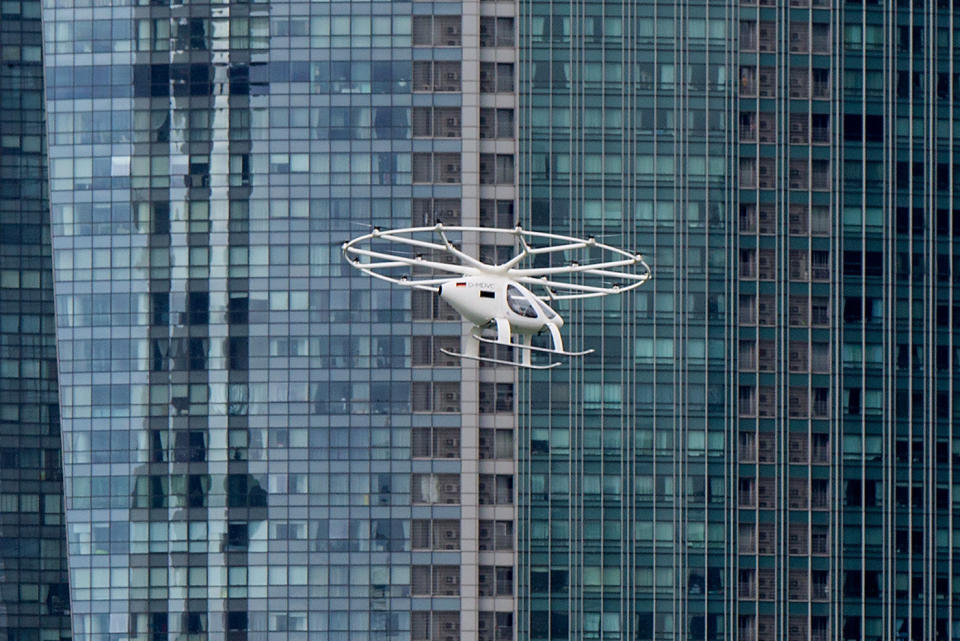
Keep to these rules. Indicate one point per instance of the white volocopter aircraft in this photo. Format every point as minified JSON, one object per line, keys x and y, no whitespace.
{"x":497,"y":296}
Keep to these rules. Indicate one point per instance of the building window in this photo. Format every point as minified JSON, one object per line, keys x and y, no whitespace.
{"x":435,"y":488}
{"x":428,"y":211}
{"x":436,"y":397}
{"x":434,"y":626}
{"x":495,"y":535}
{"x":496,"y":397}
{"x":436,"y":76}
{"x":496,"y":77}
{"x":437,"y":442}
{"x":496,"y":32}
{"x":436,"y":122}
{"x":426,"y":351}
{"x":496,"y":444}
{"x":441,"y":534}
{"x":436,"y":31}
{"x":496,"y":489}
{"x":497,"y":213}
{"x":496,"y":169}
{"x":496,"y":123}
{"x":435,"y":580}
{"x":436,"y":168}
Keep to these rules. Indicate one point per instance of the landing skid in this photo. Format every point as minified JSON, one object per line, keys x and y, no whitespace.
{"x":545,"y":350}
{"x":498,"y":361}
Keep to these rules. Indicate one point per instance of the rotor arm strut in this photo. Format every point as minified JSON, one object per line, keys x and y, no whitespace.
{"x":596,"y":268}
{"x":585,"y":289}
{"x":399,"y":261}
{"x":456,"y":251}
{"x":525,"y":250}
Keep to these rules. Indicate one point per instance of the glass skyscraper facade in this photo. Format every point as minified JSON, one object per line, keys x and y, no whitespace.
{"x":256,"y":444}
{"x":628,"y":485}
{"x":765,"y":448}
{"x":260,"y":442}
{"x":34,"y":599}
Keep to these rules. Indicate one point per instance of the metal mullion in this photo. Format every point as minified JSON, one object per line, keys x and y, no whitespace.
{"x":930,"y":322}
{"x":951,"y":342}
{"x":890,"y":307}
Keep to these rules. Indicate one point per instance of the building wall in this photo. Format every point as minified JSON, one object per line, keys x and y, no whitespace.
{"x":260,"y":441}
{"x":803,"y":315}
{"x":627,"y":478}
{"x":787,"y":499}
{"x":255,"y":394}
{"x":34,"y":600}
{"x":896,"y":404}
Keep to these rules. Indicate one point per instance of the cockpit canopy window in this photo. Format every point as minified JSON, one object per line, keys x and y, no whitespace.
{"x":520,"y":303}
{"x":545,"y":309}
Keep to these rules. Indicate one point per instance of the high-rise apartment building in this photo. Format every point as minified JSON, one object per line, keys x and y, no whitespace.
{"x":34,"y":600}
{"x":261,"y":443}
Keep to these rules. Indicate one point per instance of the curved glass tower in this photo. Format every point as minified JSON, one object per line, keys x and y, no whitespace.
{"x":238,"y":407}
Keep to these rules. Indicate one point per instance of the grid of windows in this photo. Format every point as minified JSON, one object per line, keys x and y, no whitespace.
{"x":831,"y":418}
{"x":896,"y":234}
{"x":34,"y":597}
{"x":235,"y":398}
{"x":623,"y":474}
{"x":786,"y":254}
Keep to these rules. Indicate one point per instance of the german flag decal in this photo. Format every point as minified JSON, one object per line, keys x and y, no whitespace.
{"x":462,"y":284}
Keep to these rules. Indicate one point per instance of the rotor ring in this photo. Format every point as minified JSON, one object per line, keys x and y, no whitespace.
{"x":379,"y":264}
